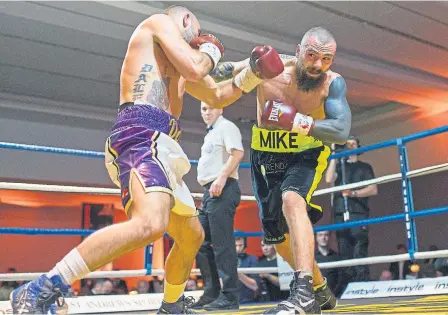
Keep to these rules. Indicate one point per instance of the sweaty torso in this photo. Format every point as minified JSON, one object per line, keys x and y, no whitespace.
{"x":148,"y":77}
{"x":284,"y":89}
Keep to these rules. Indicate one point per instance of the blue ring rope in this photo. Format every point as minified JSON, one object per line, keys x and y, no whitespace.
{"x":85,"y":153}
{"x":389,"y":143}
{"x":397,"y":142}
{"x":331,"y":227}
{"x":39,"y":148}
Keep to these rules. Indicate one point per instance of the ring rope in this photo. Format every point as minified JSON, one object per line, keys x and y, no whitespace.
{"x":114,"y":191}
{"x":160,"y":272}
{"x":344,"y":263}
{"x":387,"y":218}
{"x":39,"y":148}
{"x":94,"y":154}
{"x":384,"y":179}
{"x":331,"y":227}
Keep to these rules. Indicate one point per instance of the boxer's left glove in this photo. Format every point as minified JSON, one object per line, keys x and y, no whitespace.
{"x":264,"y":63}
{"x":209,"y":45}
{"x":281,"y":116}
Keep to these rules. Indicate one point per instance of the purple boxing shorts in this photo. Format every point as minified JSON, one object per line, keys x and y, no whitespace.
{"x":143,"y":142}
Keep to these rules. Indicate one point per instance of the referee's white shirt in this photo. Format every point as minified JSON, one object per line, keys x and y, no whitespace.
{"x":218,"y":144}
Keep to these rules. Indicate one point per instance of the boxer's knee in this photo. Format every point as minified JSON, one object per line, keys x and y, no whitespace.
{"x":293,"y":204}
{"x":195,"y":238}
{"x":187,"y":233}
{"x":146,"y":228}
{"x":150,"y":215}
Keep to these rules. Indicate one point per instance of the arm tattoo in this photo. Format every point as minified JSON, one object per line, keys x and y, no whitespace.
{"x":337,"y":124}
{"x":223,"y":71}
{"x":158,"y":94}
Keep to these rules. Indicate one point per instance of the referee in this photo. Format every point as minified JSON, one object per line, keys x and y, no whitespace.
{"x":221,"y":155}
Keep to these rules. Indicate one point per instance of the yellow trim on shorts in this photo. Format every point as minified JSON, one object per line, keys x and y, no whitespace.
{"x":131,"y":199}
{"x":114,"y":155}
{"x":128,"y":205}
{"x":154,"y":152}
{"x":146,"y":189}
{"x":281,"y":141}
{"x":317,"y":207}
{"x":322,"y":162}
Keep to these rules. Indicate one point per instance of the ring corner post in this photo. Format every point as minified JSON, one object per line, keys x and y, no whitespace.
{"x":408,"y":202}
{"x":148,"y":258}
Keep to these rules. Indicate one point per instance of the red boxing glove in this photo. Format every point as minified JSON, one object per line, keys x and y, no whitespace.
{"x":264,"y":63}
{"x":279,"y":116}
{"x":209,"y":45}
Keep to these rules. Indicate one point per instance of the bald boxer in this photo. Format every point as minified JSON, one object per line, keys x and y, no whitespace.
{"x":297,"y":112}
{"x":166,"y":56}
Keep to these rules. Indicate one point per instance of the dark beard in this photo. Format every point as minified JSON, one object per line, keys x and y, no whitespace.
{"x":306,"y":83}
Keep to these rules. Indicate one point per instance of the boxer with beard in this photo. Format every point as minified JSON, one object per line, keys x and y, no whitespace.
{"x":298,"y":112}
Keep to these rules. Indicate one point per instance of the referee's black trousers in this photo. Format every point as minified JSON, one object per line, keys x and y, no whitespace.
{"x":217,"y":255}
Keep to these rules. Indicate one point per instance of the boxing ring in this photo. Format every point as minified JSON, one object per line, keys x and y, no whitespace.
{"x":395,"y":301}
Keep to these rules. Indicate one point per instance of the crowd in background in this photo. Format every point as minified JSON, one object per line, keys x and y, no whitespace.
{"x":267,"y":287}
{"x":347,"y":205}
{"x":261,"y":287}
{"x":404,"y":270}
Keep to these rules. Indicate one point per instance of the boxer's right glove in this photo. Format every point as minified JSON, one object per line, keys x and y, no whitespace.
{"x":265,"y":63}
{"x":279,"y":116}
{"x":209,"y":45}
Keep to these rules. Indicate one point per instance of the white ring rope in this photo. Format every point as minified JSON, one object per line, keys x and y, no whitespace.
{"x":161,"y":272}
{"x":385,"y":179}
{"x":158,"y":272}
{"x":113,"y":191}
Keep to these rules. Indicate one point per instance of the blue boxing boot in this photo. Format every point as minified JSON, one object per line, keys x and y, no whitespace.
{"x":39,"y":296}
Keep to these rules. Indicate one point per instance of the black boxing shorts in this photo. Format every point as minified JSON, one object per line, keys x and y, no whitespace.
{"x":283,"y":161}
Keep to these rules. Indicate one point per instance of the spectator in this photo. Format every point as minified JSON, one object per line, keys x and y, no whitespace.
{"x":120,"y":286}
{"x":191,"y":285}
{"x":97,"y":288}
{"x":247,"y":285}
{"x":142,"y":287}
{"x":14,"y":284}
{"x":352,"y":205}
{"x":87,"y":286}
{"x":325,"y":254}
{"x":401,"y":269}
{"x":269,"y":283}
{"x":157,"y":285}
{"x":101,"y":287}
{"x":386,"y":275}
{"x":107,"y":287}
{"x":427,"y":271}
{"x":441,"y":265}
{"x":431,"y":261}
{"x":5,"y":290}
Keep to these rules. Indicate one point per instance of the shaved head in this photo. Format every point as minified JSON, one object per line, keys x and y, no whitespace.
{"x":320,"y":34}
{"x":186,"y":20}
{"x":315,"y":55}
{"x":177,"y":9}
